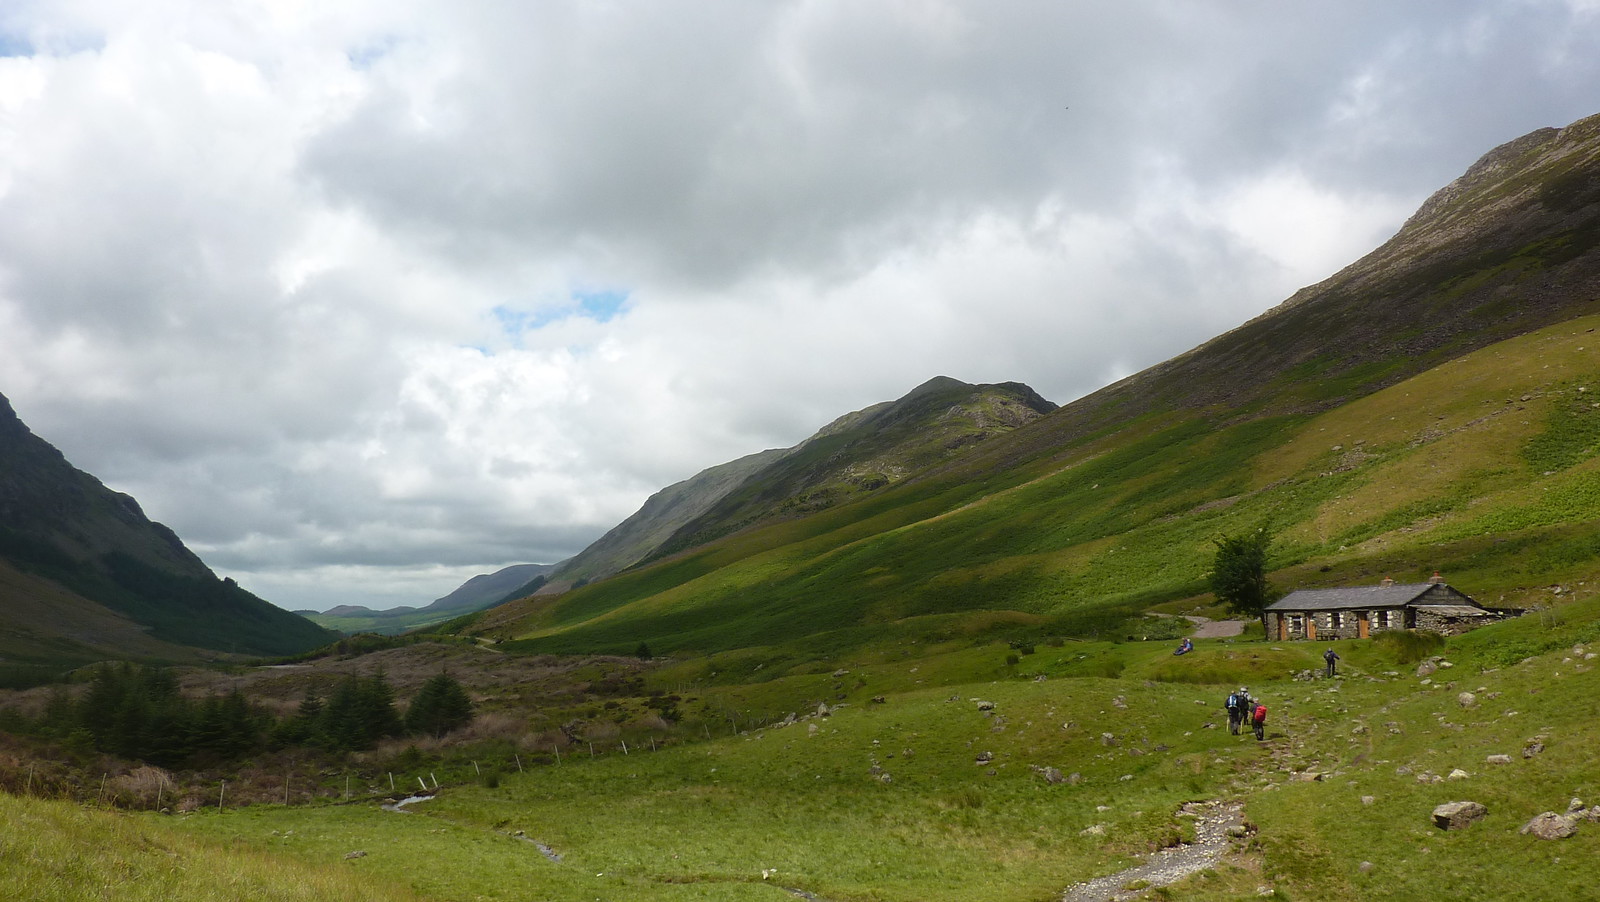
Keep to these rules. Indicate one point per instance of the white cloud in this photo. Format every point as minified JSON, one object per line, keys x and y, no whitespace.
{"x":337,"y":289}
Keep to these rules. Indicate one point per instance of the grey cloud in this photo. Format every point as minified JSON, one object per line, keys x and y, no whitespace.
{"x":239,"y":285}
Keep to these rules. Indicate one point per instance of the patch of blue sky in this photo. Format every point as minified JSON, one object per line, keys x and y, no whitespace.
{"x":601,"y":306}
{"x":598,"y":306}
{"x":366,"y":55}
{"x":12,"y":45}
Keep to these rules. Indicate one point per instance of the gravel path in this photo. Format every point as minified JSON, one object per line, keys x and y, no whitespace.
{"x":1169,"y":865}
{"x":1217,"y":629}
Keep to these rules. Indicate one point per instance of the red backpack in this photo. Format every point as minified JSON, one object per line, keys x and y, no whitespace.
{"x":1261,"y":714}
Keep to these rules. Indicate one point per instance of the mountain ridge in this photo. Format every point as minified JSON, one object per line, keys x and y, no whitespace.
{"x":104,"y":562}
{"x":1027,"y":523}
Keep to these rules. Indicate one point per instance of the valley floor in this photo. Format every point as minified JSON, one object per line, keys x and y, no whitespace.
{"x":1062,"y":776}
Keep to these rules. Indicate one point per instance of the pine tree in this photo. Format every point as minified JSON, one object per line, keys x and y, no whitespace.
{"x":441,"y":705}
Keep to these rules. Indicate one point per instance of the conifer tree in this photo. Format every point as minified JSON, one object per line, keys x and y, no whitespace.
{"x":441,"y":705}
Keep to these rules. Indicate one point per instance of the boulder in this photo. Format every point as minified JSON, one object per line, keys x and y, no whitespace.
{"x":1466,"y":699}
{"x":1498,"y":759}
{"x":1550,"y":825}
{"x":1458,"y":815}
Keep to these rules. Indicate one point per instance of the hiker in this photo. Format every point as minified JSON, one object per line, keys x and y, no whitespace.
{"x":1330,"y":656}
{"x":1236,"y":706}
{"x":1258,"y":720}
{"x":1184,"y":647}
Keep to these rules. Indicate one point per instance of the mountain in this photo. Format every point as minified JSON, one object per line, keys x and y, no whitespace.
{"x":482,"y":591}
{"x":85,"y":575}
{"x":1424,"y":408}
{"x":857,"y":453}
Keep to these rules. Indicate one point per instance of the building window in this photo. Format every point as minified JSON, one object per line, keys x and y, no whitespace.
{"x":1296,"y":625}
{"x":1335,"y":620}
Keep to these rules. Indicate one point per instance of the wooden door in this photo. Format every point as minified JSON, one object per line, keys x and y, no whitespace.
{"x":1311,"y":626}
{"x":1363,"y":625}
{"x":1283,"y":628}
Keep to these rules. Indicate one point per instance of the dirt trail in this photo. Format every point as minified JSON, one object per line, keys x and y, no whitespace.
{"x":1216,"y":629}
{"x":1168,"y":866}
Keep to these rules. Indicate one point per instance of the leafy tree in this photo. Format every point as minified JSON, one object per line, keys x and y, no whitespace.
{"x":1239,"y":573}
{"x":441,"y":705}
{"x":642,"y":652}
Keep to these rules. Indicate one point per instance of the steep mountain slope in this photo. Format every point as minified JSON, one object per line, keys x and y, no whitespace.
{"x":84,"y":564}
{"x":662,"y":515}
{"x":858,"y":453}
{"x":1302,"y":419}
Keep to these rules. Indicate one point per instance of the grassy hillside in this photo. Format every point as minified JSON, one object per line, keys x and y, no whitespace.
{"x":79,"y":545}
{"x":927,"y":794}
{"x":1484,"y":468}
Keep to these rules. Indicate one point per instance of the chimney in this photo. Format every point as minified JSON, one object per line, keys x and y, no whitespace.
{"x":1436,"y":579}
{"x":1387,"y":582}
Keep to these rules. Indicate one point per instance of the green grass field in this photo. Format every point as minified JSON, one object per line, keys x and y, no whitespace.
{"x":928,"y":796}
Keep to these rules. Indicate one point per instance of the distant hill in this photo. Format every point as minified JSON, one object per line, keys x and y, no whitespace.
{"x":1427,"y":407}
{"x":481,"y":591}
{"x":85,"y":575}
{"x":856,"y":454}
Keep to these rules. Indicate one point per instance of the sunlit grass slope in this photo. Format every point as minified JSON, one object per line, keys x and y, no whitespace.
{"x":927,"y":795}
{"x":61,"y":852}
{"x":1484,"y":468}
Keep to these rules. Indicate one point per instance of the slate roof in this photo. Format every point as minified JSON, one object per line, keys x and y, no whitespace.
{"x":1351,"y":598}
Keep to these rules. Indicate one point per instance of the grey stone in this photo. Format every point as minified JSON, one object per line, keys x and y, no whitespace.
{"x":1498,"y":759}
{"x":1550,"y":825}
{"x":1458,"y":815}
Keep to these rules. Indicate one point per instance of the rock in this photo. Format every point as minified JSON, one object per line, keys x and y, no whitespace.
{"x":811,"y":729}
{"x":1312,"y":776}
{"x":1533,"y":747}
{"x":1093,"y":830}
{"x":984,"y":758}
{"x":1426,"y":668}
{"x":1498,"y":759}
{"x":1466,"y":699}
{"x":1108,"y":740}
{"x":1458,"y":815}
{"x":878,"y":699}
{"x":1364,"y":866}
{"x":1119,"y":702}
{"x":1074,"y":778}
{"x":1368,"y":800}
{"x":1459,"y":774}
{"x":985,"y":706}
{"x":1238,"y":831}
{"x":1575,"y":806}
{"x":1550,"y":825}
{"x":349,"y":855}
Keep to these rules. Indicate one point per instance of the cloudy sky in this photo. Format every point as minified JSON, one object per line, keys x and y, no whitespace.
{"x":364,"y":298}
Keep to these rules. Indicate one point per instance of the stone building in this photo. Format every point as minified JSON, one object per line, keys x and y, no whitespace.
{"x":1357,"y":612}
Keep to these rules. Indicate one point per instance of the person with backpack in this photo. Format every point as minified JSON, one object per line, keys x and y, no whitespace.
{"x":1330,"y":656}
{"x":1236,"y":704}
{"x":1258,"y":721}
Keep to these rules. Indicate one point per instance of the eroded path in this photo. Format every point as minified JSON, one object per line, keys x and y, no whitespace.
{"x":1216,"y":825}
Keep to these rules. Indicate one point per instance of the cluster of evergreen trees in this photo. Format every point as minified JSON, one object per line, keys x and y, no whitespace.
{"x":138,"y":713}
